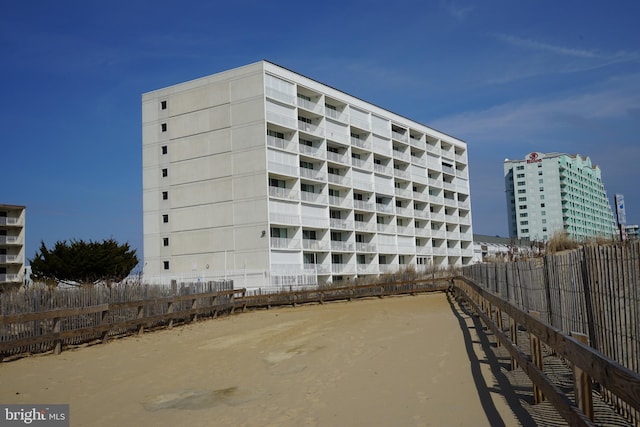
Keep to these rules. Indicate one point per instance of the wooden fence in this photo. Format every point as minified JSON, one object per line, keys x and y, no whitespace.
{"x":41,"y":321}
{"x":592,"y":291}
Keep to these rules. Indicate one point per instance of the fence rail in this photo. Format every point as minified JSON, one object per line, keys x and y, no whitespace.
{"x":592,"y":292}
{"x":37,"y":331}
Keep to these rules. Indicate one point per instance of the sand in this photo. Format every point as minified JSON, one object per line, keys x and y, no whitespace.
{"x":401,"y":361}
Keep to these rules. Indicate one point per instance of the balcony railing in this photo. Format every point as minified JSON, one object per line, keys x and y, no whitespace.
{"x":419,"y":160}
{"x":315,"y":221}
{"x":365,"y":226}
{"x":311,"y":151}
{"x":279,"y":95}
{"x":403,"y":192}
{"x":402,"y":173}
{"x":310,"y":128}
{"x":416,"y":142}
{"x":337,"y":245}
{"x":337,"y":157}
{"x":362,"y":124}
{"x":282,"y":218}
{"x":406,"y":229}
{"x":421,"y":213}
{"x":335,"y":114}
{"x":283,"y":243}
{"x":10,"y":259}
{"x":362,"y":164}
{"x":309,"y":105}
{"x":283,"y":193}
{"x":340,"y":179}
{"x":344,"y":224}
{"x":448,"y":169}
{"x":420,"y":196}
{"x":361,"y":204}
{"x":362,"y":143}
{"x":283,"y":168}
{"x":401,"y":155}
{"x":316,"y":245}
{"x":440,"y":234}
{"x":9,"y":240}
{"x":281,"y":143}
{"x":4,"y":278}
{"x":344,"y":202}
{"x":7,"y":220}
{"x":281,"y":119}
{"x":383,"y":169}
{"x":386,"y":228}
{"x":381,"y":207}
{"x":343,"y":268}
{"x":367,"y":268}
{"x":399,"y":136}
{"x":404,"y":211}
{"x":313,"y":197}
{"x":318,"y":175}
{"x":439,"y":250}
{"x":365,"y":247}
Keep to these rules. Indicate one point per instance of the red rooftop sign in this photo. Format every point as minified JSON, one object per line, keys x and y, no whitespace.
{"x":534,"y":158}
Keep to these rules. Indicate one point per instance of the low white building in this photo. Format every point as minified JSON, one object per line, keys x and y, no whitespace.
{"x":272,"y":178}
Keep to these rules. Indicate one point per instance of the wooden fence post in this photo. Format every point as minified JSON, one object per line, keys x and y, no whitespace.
{"x":170,"y":310}
{"x":57,"y":344}
{"x":141,"y":318}
{"x":536,"y":357}
{"x":104,"y":320}
{"x":194,"y":315}
{"x":582,"y":385}
{"x":499,"y":324}
{"x":513,"y":329}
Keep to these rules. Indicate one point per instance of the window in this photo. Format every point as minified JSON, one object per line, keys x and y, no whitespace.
{"x":356,"y":156}
{"x":307,"y":187}
{"x":163,"y":105}
{"x":165,"y":172}
{"x":165,"y":195}
{"x":275,"y":134}
{"x":361,"y":259}
{"x":333,"y":149}
{"x":359,"y":238}
{"x":543,"y":213}
{"x":333,"y":171}
{"x":336,"y":236}
{"x":544,"y":221}
{"x":165,"y":218}
{"x":165,"y":241}
{"x":541,"y":181}
{"x":358,"y":217}
{"x":309,"y":234}
{"x":357,"y":196}
{"x":524,"y":222}
{"x":165,"y":149}
{"x":336,"y":258}
{"x":522,"y":207}
{"x":542,"y":197}
{"x":382,"y":259}
{"x":334,"y":214}
{"x":163,"y":127}
{"x":542,"y":205}
{"x":522,"y":199}
{"x":521,"y":183}
{"x":520,"y":175}
{"x":334,"y":193}
{"x":541,"y":188}
{"x":165,"y":265}
{"x":525,"y":230}
{"x":522,"y":191}
{"x":306,"y":165}
{"x":523,"y":215}
{"x":304,"y":119}
{"x":309,"y":258}
{"x":401,"y":259}
{"x":539,"y":173}
{"x":280,"y":233}
{"x":380,"y":219}
{"x":520,"y":168}
{"x":274,"y":182}
{"x":544,"y":229}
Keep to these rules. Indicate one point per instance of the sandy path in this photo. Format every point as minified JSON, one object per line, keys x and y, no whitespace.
{"x":379,"y":362}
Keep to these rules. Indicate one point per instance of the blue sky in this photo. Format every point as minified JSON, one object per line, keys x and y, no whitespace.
{"x":507,"y":77}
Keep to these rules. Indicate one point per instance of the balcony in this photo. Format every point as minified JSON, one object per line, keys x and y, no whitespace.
{"x":365,"y":247}
{"x":438,"y":234}
{"x":362,"y":143}
{"x":419,"y":161}
{"x":403,"y":192}
{"x":454,"y":219}
{"x":399,"y":136}
{"x":283,"y":243}
{"x":406,"y":229}
{"x":360,"y":123}
{"x":464,"y":205}
{"x":383,"y":169}
{"x":11,"y":221}
{"x":338,"y":158}
{"x":279,"y":95}
{"x":386,"y":228}
{"x":343,"y":268}
{"x":283,"y":218}
{"x":311,"y":151}
{"x":6,"y":278}
{"x":281,"y":119}
{"x":310,"y":128}
{"x":361,"y":164}
{"x":283,"y":193}
{"x":387,"y":268}
{"x":407,"y":211}
{"x":313,"y":197}
{"x":282,"y":144}
{"x":315,"y":221}
{"x":318,"y":175}
{"x":344,"y":224}
{"x":439,"y":250}
{"x":9,"y":240}
{"x":416,"y":142}
{"x":315,"y":245}
{"x":335,"y":114}
{"x":362,"y":205}
{"x":381,"y":207}
{"x":420,"y":213}
{"x":449,"y":185}
{"x":309,"y":105}
{"x":420,"y":196}
{"x":402,"y":173}
{"x":367,"y":269}
{"x":453,"y":235}
{"x":341,"y":246}
{"x":448,"y":169}
{"x":364,"y":226}
{"x":10,"y":259}
{"x":401,"y":155}
{"x":283,"y":168}
{"x":340,"y":179}
{"x":341,"y":201}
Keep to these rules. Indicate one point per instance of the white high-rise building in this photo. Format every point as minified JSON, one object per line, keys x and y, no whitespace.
{"x":555,"y":192}
{"x":12,"y":238}
{"x":261,"y":172}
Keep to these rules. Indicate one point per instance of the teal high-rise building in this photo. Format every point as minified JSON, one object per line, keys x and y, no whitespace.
{"x":551,"y":192}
